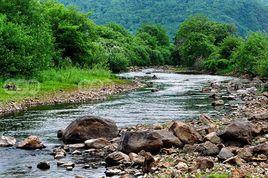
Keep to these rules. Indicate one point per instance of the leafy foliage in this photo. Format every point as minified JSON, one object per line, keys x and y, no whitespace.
{"x":26,"y":39}
{"x":247,"y":15}
{"x":252,"y":56}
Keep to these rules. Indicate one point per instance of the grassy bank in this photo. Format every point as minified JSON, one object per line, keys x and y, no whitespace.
{"x":54,"y":81}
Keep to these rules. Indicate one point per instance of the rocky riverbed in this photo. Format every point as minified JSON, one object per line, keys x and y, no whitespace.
{"x":236,"y":144}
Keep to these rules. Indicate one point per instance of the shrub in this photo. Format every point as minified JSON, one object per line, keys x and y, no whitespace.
{"x":25,"y":38}
{"x":251,"y":57}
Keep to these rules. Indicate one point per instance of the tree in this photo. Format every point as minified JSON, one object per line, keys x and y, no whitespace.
{"x":252,"y":56}
{"x":26,"y":39}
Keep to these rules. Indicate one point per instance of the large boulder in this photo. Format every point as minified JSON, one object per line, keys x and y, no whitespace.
{"x":31,"y":143}
{"x":169,"y":139}
{"x":238,"y":133}
{"x":89,"y":127}
{"x":6,"y":141}
{"x":186,"y":133}
{"x":138,"y":141}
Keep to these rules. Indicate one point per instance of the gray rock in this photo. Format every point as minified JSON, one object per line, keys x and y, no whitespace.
{"x":238,"y":133}
{"x":213,"y":138}
{"x":204,"y":163}
{"x":169,"y":139}
{"x":186,"y":133}
{"x":137,"y":141}
{"x":218,"y":103}
{"x":97,"y":143}
{"x":89,"y":127}
{"x":31,"y":143}
{"x":225,"y":154}
{"x":116,"y":158}
{"x":209,"y":149}
{"x":44,"y":165}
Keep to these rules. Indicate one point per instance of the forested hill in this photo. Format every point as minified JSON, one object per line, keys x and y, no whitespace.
{"x":245,"y":14}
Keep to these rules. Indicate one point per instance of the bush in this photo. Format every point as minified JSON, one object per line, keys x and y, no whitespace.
{"x":74,"y":34}
{"x":25,"y":38}
{"x":251,"y":57}
{"x":118,"y":62}
{"x":216,"y":65}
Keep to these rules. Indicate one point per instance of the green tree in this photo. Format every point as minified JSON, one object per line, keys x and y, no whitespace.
{"x":26,"y":39}
{"x":74,"y":35}
{"x":252,"y":56}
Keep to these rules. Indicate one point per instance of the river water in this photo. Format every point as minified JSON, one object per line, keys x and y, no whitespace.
{"x":179,"y":98}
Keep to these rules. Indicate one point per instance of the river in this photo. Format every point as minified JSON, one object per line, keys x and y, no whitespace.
{"x":179,"y":98}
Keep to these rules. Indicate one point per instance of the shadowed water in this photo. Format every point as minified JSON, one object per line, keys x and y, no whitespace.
{"x":179,"y":97}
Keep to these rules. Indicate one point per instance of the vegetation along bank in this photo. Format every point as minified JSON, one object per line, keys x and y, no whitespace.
{"x":47,"y":45}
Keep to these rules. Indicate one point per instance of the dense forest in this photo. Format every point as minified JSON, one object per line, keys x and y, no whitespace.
{"x":247,"y":15}
{"x":39,"y":35}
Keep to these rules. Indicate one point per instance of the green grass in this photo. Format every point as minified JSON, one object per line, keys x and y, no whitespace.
{"x":53,"y":81}
{"x":214,"y":175}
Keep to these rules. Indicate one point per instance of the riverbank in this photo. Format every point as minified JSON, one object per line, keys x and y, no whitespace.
{"x":233,"y":146}
{"x":212,"y":144}
{"x":61,"y":87}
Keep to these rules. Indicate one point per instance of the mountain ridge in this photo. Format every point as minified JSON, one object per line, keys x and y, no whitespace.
{"x":247,"y":15}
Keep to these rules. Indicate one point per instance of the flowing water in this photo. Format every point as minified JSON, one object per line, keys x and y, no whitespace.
{"x":179,"y":98}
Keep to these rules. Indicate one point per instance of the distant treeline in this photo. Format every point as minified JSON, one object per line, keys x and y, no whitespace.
{"x":38,"y":35}
{"x":247,"y":15}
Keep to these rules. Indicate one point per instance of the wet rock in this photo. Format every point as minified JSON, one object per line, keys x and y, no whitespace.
{"x":6,"y":141}
{"x":76,"y":152}
{"x":60,"y":133}
{"x":237,"y":133}
{"x":97,"y":143}
{"x":31,"y":143}
{"x":206,"y":89}
{"x":225,"y":154}
{"x":154,"y":77}
{"x":204,"y":163}
{"x":44,"y":165}
{"x":169,"y":139}
{"x":137,"y":141}
{"x":154,"y":90}
{"x":112,"y":172}
{"x":69,"y":168}
{"x":218,"y":103}
{"x":76,"y":146}
{"x":213,"y":138}
{"x":208,"y":149}
{"x":89,"y":127}
{"x":186,"y":133}
{"x":60,"y":163}
{"x":116,"y":158}
{"x":138,"y":159}
{"x":69,"y":165}
{"x":59,"y":153}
